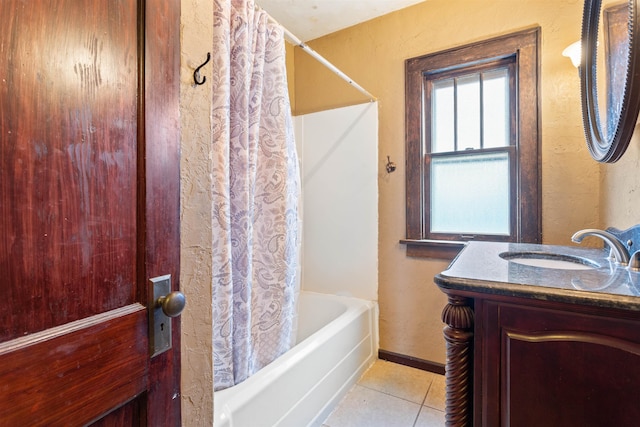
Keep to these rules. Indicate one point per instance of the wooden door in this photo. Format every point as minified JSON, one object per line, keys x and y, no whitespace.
{"x":89,"y":209}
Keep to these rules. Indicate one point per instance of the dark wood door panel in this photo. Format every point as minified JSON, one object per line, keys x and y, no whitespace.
{"x":568,"y":367}
{"x":89,"y":209}
{"x":592,"y":375}
{"x":129,"y":414}
{"x":68,"y":114}
{"x":68,"y":374}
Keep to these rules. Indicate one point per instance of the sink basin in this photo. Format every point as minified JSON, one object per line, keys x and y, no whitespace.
{"x":549,"y":260}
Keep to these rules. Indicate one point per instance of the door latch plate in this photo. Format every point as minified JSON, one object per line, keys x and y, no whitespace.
{"x":159,"y":323}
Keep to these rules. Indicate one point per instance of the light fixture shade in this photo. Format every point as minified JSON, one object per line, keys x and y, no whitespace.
{"x":574,"y":52}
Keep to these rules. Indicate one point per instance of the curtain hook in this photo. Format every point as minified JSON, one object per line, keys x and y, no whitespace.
{"x":196,"y":73}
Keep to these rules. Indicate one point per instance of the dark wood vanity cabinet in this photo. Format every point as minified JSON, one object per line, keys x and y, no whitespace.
{"x":541,"y":363}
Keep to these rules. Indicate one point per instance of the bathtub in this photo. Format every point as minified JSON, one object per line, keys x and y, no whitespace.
{"x":337,"y":340}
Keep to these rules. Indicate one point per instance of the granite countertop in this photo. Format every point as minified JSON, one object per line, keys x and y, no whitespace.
{"x":480,"y":268}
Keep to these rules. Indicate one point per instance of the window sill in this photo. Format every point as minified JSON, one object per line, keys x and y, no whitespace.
{"x":437,"y":249}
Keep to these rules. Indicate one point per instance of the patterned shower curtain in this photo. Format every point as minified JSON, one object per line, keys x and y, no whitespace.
{"x":256,"y":187}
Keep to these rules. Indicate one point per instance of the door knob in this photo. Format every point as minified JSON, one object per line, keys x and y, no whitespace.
{"x":172,"y":304}
{"x":163,"y":305}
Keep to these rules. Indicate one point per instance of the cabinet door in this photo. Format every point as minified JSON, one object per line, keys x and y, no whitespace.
{"x":559,"y":367}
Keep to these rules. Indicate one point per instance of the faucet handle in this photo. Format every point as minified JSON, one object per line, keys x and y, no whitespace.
{"x":634,"y":261}
{"x":619,"y":252}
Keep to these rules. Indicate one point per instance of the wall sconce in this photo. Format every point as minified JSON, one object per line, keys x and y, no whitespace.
{"x":574,"y":52}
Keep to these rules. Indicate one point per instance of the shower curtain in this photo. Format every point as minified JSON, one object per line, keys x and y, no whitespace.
{"x":256,"y":187}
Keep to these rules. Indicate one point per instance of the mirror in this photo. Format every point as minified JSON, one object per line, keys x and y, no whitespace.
{"x":609,"y":71}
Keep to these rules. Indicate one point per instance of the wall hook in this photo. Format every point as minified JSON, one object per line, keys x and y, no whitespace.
{"x":391,"y":166}
{"x":196,"y":73}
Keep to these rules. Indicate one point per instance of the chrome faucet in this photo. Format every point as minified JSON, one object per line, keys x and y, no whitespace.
{"x":618,"y":252}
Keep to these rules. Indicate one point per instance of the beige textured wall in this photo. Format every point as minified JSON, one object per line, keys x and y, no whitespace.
{"x":195,"y":218}
{"x":373,"y":54}
{"x":621,"y":188}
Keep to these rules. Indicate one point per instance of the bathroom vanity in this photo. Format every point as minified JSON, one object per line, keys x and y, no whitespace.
{"x":541,"y":336}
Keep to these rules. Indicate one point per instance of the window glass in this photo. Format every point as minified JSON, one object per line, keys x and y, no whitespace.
{"x":495,"y":105}
{"x":442,"y":127}
{"x":468,"y":110}
{"x":470,"y":194}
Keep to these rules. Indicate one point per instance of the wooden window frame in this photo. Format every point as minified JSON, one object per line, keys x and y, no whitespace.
{"x":526,"y":226}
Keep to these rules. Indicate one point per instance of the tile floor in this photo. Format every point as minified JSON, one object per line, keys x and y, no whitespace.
{"x":390,"y":395}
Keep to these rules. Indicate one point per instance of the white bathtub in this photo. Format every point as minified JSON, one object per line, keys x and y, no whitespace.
{"x":337,"y":341}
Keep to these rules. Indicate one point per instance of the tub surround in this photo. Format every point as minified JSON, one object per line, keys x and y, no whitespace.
{"x":339,"y":165}
{"x":530,"y":345}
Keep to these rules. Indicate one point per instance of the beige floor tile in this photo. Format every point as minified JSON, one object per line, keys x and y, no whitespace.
{"x":364,"y":407}
{"x":437,"y":394}
{"x":398,"y":380}
{"x":430,"y":417}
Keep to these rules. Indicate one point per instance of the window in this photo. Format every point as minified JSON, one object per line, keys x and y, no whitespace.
{"x":472,"y":145}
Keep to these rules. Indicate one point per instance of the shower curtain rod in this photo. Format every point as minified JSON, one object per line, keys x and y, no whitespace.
{"x":320,"y":58}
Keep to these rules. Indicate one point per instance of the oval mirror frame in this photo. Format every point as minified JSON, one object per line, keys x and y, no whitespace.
{"x":610,"y":146}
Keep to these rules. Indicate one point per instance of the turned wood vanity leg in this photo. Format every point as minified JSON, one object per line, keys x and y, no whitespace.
{"x":458,"y":316}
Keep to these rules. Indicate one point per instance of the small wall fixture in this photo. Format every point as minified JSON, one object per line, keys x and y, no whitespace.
{"x":574,"y":52}
{"x":196,"y":74}
{"x":391,"y":166}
